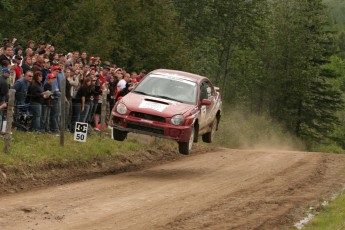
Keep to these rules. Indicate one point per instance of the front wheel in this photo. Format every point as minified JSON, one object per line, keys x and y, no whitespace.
{"x":185,"y":147}
{"x":119,"y":135}
{"x":209,"y":137}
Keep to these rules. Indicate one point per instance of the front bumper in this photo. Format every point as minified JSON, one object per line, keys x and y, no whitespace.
{"x":128,"y":123}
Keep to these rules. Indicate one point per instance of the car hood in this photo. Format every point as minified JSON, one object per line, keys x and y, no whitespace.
{"x":154,"y":105}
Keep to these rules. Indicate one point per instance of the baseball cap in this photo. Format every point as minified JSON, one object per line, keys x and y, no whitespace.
{"x":6,"y":70}
{"x":51,"y":76}
{"x":17,"y":57}
{"x":56,"y":67}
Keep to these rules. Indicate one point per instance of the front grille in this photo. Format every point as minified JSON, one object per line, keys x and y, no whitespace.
{"x":145,"y":128}
{"x":147,"y":116}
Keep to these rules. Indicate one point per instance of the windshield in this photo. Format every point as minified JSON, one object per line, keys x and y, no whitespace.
{"x":168,"y":87}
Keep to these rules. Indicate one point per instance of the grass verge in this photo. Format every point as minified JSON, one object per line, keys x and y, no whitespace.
{"x":331,"y":217}
{"x":37,"y":160}
{"x":39,"y":150}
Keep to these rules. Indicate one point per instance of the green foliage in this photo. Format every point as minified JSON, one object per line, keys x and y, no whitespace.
{"x":137,"y":34}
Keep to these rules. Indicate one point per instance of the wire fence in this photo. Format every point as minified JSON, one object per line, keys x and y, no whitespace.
{"x":57,"y":117}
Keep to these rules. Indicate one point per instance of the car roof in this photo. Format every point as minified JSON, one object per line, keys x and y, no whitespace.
{"x":182,"y":74}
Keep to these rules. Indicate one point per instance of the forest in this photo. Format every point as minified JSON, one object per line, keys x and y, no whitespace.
{"x":282,"y":59}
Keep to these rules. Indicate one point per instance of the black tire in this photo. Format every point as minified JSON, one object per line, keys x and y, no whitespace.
{"x":209,"y":137}
{"x":196,"y":133}
{"x":119,"y":135}
{"x":185,"y":147}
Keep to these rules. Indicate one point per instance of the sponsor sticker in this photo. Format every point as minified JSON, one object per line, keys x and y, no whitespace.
{"x":152,"y":105}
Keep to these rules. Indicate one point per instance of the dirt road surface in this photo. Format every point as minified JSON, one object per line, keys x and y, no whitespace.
{"x":226,"y":189}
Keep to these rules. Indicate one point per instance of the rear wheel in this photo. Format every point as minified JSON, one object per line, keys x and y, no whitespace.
{"x":185,"y":147}
{"x":119,"y":135}
{"x":209,"y":137}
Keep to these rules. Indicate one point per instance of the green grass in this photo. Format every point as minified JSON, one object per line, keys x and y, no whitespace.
{"x":40,"y":150}
{"x":331,"y":217}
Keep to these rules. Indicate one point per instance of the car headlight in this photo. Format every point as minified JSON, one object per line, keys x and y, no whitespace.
{"x":177,"y":119}
{"x":121,"y":108}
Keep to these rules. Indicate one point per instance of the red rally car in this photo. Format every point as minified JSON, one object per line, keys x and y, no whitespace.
{"x":170,"y":104}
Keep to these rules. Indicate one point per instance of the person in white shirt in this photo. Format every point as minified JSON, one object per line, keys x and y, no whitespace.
{"x":122,"y":81}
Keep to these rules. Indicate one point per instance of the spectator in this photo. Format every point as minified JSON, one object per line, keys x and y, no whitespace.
{"x":8,"y":54}
{"x":68,"y":105}
{"x":106,"y":72}
{"x":134,"y":75}
{"x":6,"y":41}
{"x":97,"y":61}
{"x":112,"y":92}
{"x":31,"y":44}
{"x":41,"y":48}
{"x":81,"y":103}
{"x":73,"y":59}
{"x":33,"y":58}
{"x":128,"y":87}
{"x":62,"y":59}
{"x":29,"y":52}
{"x":91,"y":60}
{"x":45,"y":70}
{"x":3,"y":93}
{"x":93,"y":102}
{"x":38,"y":65}
{"x":35,"y":97}
{"x":18,"y":70}
{"x":55,"y":110}
{"x":18,"y":51}
{"x":86,"y":70}
{"x":47,"y":103}
{"x":55,"y":60}
{"x":52,"y":53}
{"x":21,"y":86}
{"x":121,"y":84}
{"x":103,"y":85}
{"x":83,"y":58}
{"x":73,"y":82}
{"x":27,"y":64}
{"x":141,"y":75}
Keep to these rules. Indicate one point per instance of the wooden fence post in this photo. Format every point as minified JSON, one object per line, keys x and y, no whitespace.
{"x":63,"y":111}
{"x":103,"y":111}
{"x":9,"y":116}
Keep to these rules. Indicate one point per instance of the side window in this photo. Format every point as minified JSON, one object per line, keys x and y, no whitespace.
{"x":203,"y":91}
{"x":206,"y":91}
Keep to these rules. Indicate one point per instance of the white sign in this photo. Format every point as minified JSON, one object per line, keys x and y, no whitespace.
{"x":80,"y":131}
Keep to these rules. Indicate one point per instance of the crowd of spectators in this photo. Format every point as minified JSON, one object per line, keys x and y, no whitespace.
{"x":37,"y":72}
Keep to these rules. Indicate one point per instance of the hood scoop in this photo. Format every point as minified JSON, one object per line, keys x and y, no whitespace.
{"x":156,"y":101}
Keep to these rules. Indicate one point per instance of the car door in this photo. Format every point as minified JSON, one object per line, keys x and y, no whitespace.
{"x":207,"y":112}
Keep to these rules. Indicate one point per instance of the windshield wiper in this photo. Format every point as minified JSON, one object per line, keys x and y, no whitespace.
{"x":169,"y":98}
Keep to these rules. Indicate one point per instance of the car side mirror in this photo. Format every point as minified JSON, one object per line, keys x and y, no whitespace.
{"x":206,"y":102}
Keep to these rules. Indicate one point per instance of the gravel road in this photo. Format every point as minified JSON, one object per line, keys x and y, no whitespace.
{"x":225,"y":189}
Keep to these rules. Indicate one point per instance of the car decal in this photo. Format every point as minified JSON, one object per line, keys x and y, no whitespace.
{"x":152,"y":105}
{"x":203,"y":112}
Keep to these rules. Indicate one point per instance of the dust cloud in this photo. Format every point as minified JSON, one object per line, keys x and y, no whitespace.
{"x":238,"y":129}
